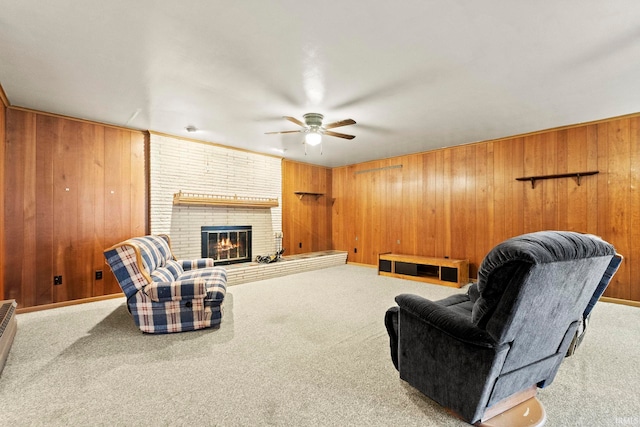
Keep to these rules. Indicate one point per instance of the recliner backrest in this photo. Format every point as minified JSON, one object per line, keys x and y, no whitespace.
{"x":534,"y":287}
{"x":134,"y":261}
{"x":155,"y":251}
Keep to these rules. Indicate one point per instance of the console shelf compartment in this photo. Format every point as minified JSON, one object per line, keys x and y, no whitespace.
{"x":439,"y":271}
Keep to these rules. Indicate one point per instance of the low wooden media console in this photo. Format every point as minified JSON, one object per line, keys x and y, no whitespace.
{"x":440,"y":271}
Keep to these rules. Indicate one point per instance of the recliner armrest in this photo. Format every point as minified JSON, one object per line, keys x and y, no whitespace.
{"x":176,"y":291}
{"x":193,"y":264}
{"x":444,"y":319}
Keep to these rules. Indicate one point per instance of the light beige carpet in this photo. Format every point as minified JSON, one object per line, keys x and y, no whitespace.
{"x":308,"y":349}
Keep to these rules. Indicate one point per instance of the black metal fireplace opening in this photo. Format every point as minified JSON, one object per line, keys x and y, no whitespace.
{"x":226,"y":244}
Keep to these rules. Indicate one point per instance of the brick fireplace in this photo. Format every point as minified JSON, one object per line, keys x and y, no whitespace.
{"x":184,"y":165}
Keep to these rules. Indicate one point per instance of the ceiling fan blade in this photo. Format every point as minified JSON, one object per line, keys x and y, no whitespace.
{"x":294,"y":120}
{"x":340,"y":123}
{"x":339,"y":135}
{"x":284,"y":131}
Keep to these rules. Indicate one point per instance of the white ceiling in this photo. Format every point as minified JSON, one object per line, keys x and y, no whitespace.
{"x":415,"y":75}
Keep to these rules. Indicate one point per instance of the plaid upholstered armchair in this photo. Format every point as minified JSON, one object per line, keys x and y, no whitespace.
{"x":163,"y":294}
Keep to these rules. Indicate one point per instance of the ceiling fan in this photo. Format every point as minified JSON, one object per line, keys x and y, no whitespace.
{"x":313,"y":128}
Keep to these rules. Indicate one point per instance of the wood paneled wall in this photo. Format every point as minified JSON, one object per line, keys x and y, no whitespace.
{"x":462,"y":201}
{"x":71,"y":189}
{"x":3,"y":110}
{"x":306,"y":221}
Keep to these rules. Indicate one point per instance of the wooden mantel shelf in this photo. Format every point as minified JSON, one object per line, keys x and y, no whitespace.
{"x":301,"y":194}
{"x":578,"y":175}
{"x":198,"y":199}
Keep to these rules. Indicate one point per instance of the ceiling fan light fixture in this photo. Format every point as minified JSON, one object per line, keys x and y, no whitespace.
{"x":313,"y":138}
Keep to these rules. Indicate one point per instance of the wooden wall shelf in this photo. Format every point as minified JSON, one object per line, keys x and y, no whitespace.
{"x":301,"y":194}
{"x":578,"y":176}
{"x":197,"y":199}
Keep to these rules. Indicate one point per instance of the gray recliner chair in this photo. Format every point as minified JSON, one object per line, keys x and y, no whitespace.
{"x":481,"y":353}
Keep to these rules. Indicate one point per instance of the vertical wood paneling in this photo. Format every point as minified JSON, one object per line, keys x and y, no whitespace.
{"x":307,"y":225}
{"x":411,"y":214}
{"x":593,"y":196}
{"x":441,"y":207}
{"x":55,"y":221}
{"x":470,"y":208}
{"x":97,"y":238}
{"x":427,"y":223}
{"x":633,"y":255}
{"x":364,"y":192}
{"x":19,"y":270}
{"x":564,"y":187}
{"x":462,"y":201}
{"x":66,"y":183}
{"x":501,"y":174}
{"x":338,"y":207}
{"x":3,"y":112}
{"x":517,"y":190}
{"x":91,"y":138}
{"x":457,"y":202}
{"x":533,"y":200}
{"x":458,"y":184}
{"x":618,"y":166}
{"x":550,"y":186}
{"x":48,"y":129}
{"x":482,"y":216}
{"x":138,"y":199}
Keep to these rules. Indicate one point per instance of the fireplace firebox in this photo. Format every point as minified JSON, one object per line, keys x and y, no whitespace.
{"x":226,"y":244}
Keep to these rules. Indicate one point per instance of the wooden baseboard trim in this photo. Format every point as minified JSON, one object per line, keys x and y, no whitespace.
{"x":67,"y":303}
{"x":361,"y":264}
{"x":620,"y":301}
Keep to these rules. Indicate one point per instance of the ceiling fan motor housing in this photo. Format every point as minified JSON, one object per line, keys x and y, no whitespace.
{"x":313,"y":120}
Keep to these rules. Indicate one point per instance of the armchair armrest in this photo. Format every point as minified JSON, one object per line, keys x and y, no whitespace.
{"x":176,"y":291}
{"x":445,"y":320}
{"x":194,"y":264}
{"x":439,"y":347}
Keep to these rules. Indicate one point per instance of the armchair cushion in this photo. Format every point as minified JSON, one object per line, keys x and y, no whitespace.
{"x":194,"y":264}
{"x":170,"y":272}
{"x":176,"y":291}
{"x":441,"y":317}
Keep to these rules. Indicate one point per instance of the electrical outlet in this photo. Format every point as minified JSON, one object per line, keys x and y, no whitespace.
{"x":57,"y":280}
{"x":98,"y":274}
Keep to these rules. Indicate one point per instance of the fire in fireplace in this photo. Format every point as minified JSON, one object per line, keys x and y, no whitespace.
{"x":226,"y":244}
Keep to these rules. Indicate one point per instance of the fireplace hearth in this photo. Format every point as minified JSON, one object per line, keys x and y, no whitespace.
{"x":226,"y":244}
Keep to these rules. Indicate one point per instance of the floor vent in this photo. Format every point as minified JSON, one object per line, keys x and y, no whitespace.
{"x":8,"y":328}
